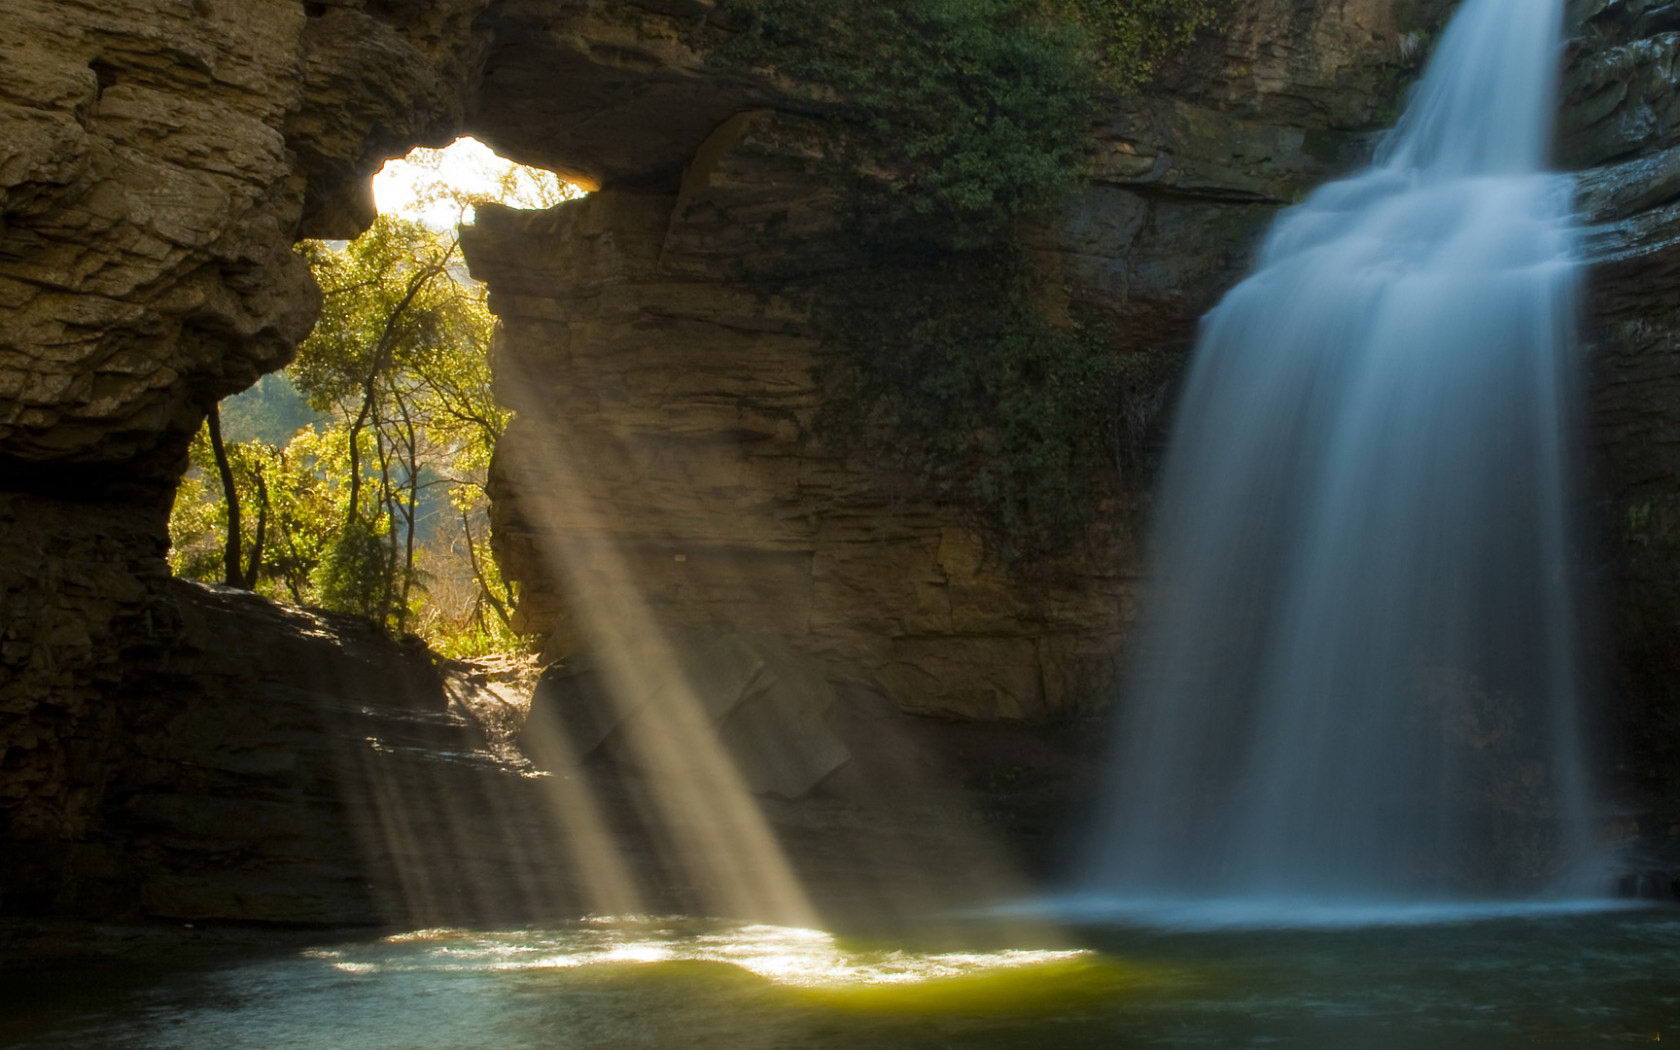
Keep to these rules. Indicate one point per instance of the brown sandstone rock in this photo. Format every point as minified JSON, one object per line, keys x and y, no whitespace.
{"x":154,"y":171}
{"x":1622,"y":125}
{"x":260,"y":763}
{"x":657,"y":349}
{"x":160,"y":158}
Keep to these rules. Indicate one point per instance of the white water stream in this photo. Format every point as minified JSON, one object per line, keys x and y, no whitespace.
{"x":1357,"y":677}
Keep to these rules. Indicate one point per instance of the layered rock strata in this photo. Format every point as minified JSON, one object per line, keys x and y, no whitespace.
{"x":1621,"y":130}
{"x":154,"y":179}
{"x":277,"y":765}
{"x":162,"y":157}
{"x":656,"y":345}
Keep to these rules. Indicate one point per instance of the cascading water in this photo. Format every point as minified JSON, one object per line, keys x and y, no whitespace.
{"x":1360,"y":656}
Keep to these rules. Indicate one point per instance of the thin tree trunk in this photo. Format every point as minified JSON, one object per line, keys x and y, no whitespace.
{"x":230,"y":492}
{"x":388,"y":501}
{"x":413,"y":465}
{"x":254,"y":567}
{"x":356,"y":454}
{"x":381,"y":357}
{"x":478,"y":574}
{"x":297,"y":561}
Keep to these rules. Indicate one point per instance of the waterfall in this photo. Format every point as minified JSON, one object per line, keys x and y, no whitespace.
{"x":1358,"y":666}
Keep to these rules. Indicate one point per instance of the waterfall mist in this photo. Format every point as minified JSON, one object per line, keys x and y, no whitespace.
{"x":1357,"y":675}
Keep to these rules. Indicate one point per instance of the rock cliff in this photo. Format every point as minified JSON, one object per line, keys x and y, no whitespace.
{"x":1621,"y":129}
{"x":657,"y":346}
{"x":162,"y":156}
{"x":275,"y":765}
{"x":160,"y":161}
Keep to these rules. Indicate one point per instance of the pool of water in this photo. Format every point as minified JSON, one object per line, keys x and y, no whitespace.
{"x":1560,"y":981}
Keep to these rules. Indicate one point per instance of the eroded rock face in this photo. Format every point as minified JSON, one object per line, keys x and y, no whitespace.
{"x":768,"y":707}
{"x":668,"y":414}
{"x":657,"y":348}
{"x":78,"y":584}
{"x":160,"y":159}
{"x":1622,"y":128}
{"x":261,"y":763}
{"x":148,"y":207}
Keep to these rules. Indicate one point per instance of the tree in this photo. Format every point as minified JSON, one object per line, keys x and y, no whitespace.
{"x":235,"y":576}
{"x":355,"y":480}
{"x":364,"y":509}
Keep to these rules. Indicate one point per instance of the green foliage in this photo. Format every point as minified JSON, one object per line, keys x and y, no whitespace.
{"x":198,"y":520}
{"x":401,"y":427}
{"x":464,"y":614}
{"x":969,"y":114}
{"x":395,"y":302}
{"x":1006,"y":411}
{"x":967,"y":120}
{"x":198,"y":527}
{"x":1128,"y":38}
{"x":352,"y":575}
{"x":966,"y":114}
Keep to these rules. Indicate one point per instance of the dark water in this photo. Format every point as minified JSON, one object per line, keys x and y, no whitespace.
{"x":1585,"y":981}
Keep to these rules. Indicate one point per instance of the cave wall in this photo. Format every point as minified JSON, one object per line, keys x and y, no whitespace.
{"x":160,"y":159}
{"x":162,"y":156}
{"x":657,"y":349}
{"x":660,"y":329}
{"x":1621,"y":131}
{"x":147,"y":203}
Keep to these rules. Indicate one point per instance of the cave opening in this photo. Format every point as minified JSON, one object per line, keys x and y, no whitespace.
{"x":364,"y":472}
{"x":353,"y":479}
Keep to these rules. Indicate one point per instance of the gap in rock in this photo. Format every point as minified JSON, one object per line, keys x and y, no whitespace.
{"x":354,"y":479}
{"x":440,"y":187}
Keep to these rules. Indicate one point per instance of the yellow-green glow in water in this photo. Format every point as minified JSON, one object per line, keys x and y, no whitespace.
{"x":817,"y":967}
{"x":640,"y":983}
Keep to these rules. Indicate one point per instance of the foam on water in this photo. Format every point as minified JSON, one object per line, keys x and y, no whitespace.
{"x":1259,"y":912}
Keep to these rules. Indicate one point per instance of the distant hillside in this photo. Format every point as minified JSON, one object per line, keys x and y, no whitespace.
{"x":270,"y":412}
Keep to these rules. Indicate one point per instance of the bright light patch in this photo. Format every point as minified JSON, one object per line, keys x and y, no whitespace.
{"x":437,"y":187}
{"x":809,"y":960}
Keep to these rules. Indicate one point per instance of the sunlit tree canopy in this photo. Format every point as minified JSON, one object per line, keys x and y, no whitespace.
{"x":354,"y":480}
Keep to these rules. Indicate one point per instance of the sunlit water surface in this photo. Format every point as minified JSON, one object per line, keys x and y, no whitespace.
{"x":1559,"y":981}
